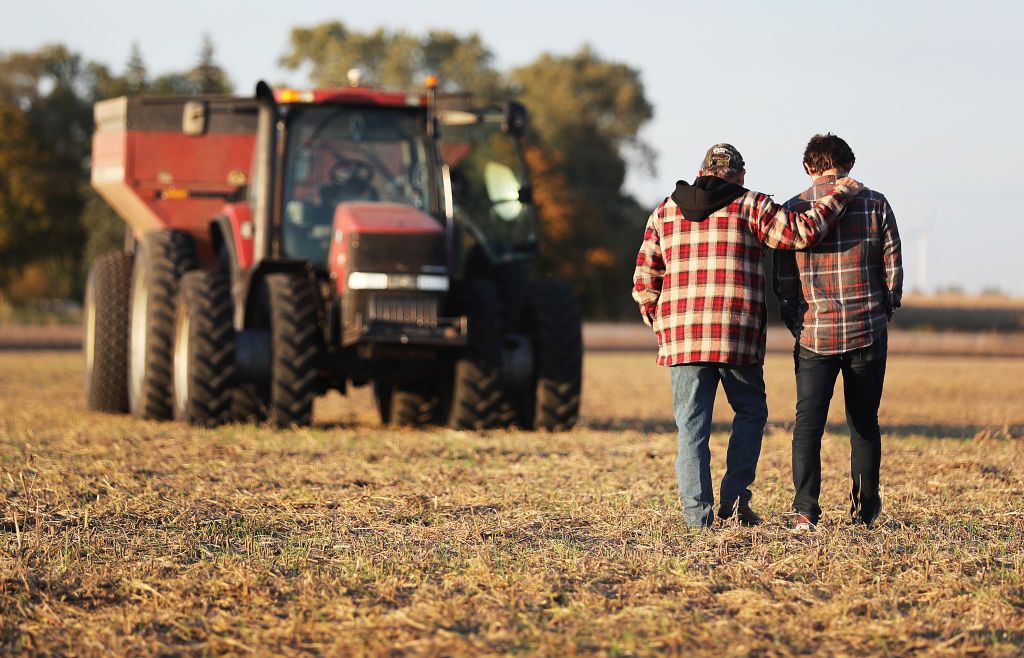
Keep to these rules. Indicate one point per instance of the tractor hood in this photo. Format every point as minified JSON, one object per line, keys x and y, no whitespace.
{"x":387,"y":246}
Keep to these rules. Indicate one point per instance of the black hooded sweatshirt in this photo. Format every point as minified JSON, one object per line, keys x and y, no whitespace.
{"x":708,"y":194}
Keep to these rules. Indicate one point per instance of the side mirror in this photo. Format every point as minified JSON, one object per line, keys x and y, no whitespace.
{"x":513,"y":121}
{"x":193,"y":118}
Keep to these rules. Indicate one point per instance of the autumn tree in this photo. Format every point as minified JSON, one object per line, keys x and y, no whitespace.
{"x":586,"y":114}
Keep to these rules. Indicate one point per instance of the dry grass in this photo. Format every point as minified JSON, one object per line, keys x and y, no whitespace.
{"x":139,"y":538}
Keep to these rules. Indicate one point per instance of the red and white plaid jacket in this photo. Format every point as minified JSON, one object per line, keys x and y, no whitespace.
{"x":839,"y":295}
{"x":700,"y":285}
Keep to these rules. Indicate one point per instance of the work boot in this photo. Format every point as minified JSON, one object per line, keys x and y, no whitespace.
{"x":746,"y":516}
{"x":857,"y":515}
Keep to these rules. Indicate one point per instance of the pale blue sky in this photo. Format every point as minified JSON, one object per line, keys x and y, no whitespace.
{"x":928,"y":94}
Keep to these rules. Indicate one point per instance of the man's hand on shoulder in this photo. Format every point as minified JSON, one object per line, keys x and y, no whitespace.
{"x":847,"y":185}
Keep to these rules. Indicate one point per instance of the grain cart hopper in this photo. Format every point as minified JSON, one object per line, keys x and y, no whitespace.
{"x":284,"y":245}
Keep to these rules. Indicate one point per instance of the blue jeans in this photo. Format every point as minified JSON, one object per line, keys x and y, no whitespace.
{"x":693,"y":396}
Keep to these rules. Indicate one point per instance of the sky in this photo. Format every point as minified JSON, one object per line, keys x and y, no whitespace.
{"x":928,"y":94}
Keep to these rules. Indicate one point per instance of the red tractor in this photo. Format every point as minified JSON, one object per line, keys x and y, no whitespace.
{"x":287,"y":244}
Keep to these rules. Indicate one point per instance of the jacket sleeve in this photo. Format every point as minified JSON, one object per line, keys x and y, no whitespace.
{"x":892,"y":258}
{"x":779,"y":228}
{"x":650,"y":270}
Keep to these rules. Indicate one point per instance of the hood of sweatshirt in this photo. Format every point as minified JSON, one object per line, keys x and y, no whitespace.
{"x":708,"y":194}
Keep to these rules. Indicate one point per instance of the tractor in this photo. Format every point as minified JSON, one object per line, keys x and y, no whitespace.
{"x":283,"y":245}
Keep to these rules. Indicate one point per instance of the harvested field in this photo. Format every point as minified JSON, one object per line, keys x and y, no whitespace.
{"x":128,"y":537}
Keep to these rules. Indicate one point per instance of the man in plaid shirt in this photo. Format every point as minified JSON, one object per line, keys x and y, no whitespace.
{"x":837,"y":298}
{"x":700,"y":286}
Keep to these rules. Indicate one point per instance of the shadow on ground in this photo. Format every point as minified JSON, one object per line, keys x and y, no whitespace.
{"x":933,"y":431}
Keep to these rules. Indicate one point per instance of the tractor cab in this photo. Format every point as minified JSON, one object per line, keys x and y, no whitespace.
{"x":490,"y":189}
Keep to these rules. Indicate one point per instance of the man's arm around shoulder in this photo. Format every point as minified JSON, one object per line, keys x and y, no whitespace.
{"x":780,"y":228}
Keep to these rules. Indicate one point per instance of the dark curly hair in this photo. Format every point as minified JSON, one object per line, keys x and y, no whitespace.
{"x":826,"y":152}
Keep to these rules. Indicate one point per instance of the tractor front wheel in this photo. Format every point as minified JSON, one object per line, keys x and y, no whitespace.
{"x":296,"y":349}
{"x":476,"y":392}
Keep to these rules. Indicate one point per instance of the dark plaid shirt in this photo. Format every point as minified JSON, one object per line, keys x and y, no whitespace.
{"x":700,"y":285}
{"x":839,"y":295}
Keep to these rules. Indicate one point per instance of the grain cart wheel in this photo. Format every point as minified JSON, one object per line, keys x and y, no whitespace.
{"x":415,"y":404}
{"x":161,"y":258}
{"x":558,"y":355}
{"x":105,"y":347}
{"x":296,"y":349}
{"x":476,"y":382}
{"x":204,"y":350}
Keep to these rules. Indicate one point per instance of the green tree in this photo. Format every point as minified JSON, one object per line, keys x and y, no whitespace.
{"x":50,"y":87}
{"x":393,"y":59}
{"x":206,"y":77}
{"x":22,"y":205}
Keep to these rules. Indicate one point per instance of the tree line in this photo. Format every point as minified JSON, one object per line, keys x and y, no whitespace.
{"x":585,"y":116}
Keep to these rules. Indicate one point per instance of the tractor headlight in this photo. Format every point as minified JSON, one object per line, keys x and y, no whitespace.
{"x":432,"y":282}
{"x":367,"y":281}
{"x":381,"y":281}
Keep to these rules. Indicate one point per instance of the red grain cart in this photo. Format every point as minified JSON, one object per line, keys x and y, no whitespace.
{"x":287,"y":244}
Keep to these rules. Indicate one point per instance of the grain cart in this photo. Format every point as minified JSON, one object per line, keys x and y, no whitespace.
{"x":287,"y":244}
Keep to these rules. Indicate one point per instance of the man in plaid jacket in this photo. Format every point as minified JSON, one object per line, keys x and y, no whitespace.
{"x":700,"y":286}
{"x":837,"y":298}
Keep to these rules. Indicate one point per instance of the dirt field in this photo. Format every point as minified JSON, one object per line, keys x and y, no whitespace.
{"x":128,"y":537}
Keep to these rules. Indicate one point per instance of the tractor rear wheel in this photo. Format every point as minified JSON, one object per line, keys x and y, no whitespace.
{"x":558,"y":356}
{"x":476,"y":382}
{"x":409,"y":404}
{"x":161,"y":258}
{"x":247,"y":405}
{"x":204,"y":350}
{"x":106,"y":332}
{"x":296,"y":349}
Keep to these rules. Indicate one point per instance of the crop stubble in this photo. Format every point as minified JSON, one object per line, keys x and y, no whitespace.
{"x":123,"y":536}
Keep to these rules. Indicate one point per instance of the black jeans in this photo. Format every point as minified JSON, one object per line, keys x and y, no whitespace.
{"x":863,"y":375}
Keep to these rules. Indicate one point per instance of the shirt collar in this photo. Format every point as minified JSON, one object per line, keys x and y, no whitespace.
{"x":821,"y":186}
{"x":828,"y":179}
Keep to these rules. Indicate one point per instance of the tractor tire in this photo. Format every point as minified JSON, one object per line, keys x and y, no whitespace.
{"x":558,"y":355}
{"x":204,"y":350}
{"x":161,"y":259}
{"x":415,"y":404}
{"x":382,"y":399}
{"x":296,"y":349}
{"x":248,"y":405}
{"x":105,"y":347}
{"x":476,"y":389}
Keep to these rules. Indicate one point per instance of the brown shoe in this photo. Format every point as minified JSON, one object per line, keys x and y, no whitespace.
{"x":803,"y":523}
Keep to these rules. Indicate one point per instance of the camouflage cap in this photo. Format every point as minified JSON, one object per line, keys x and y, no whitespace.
{"x":723,"y":156}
